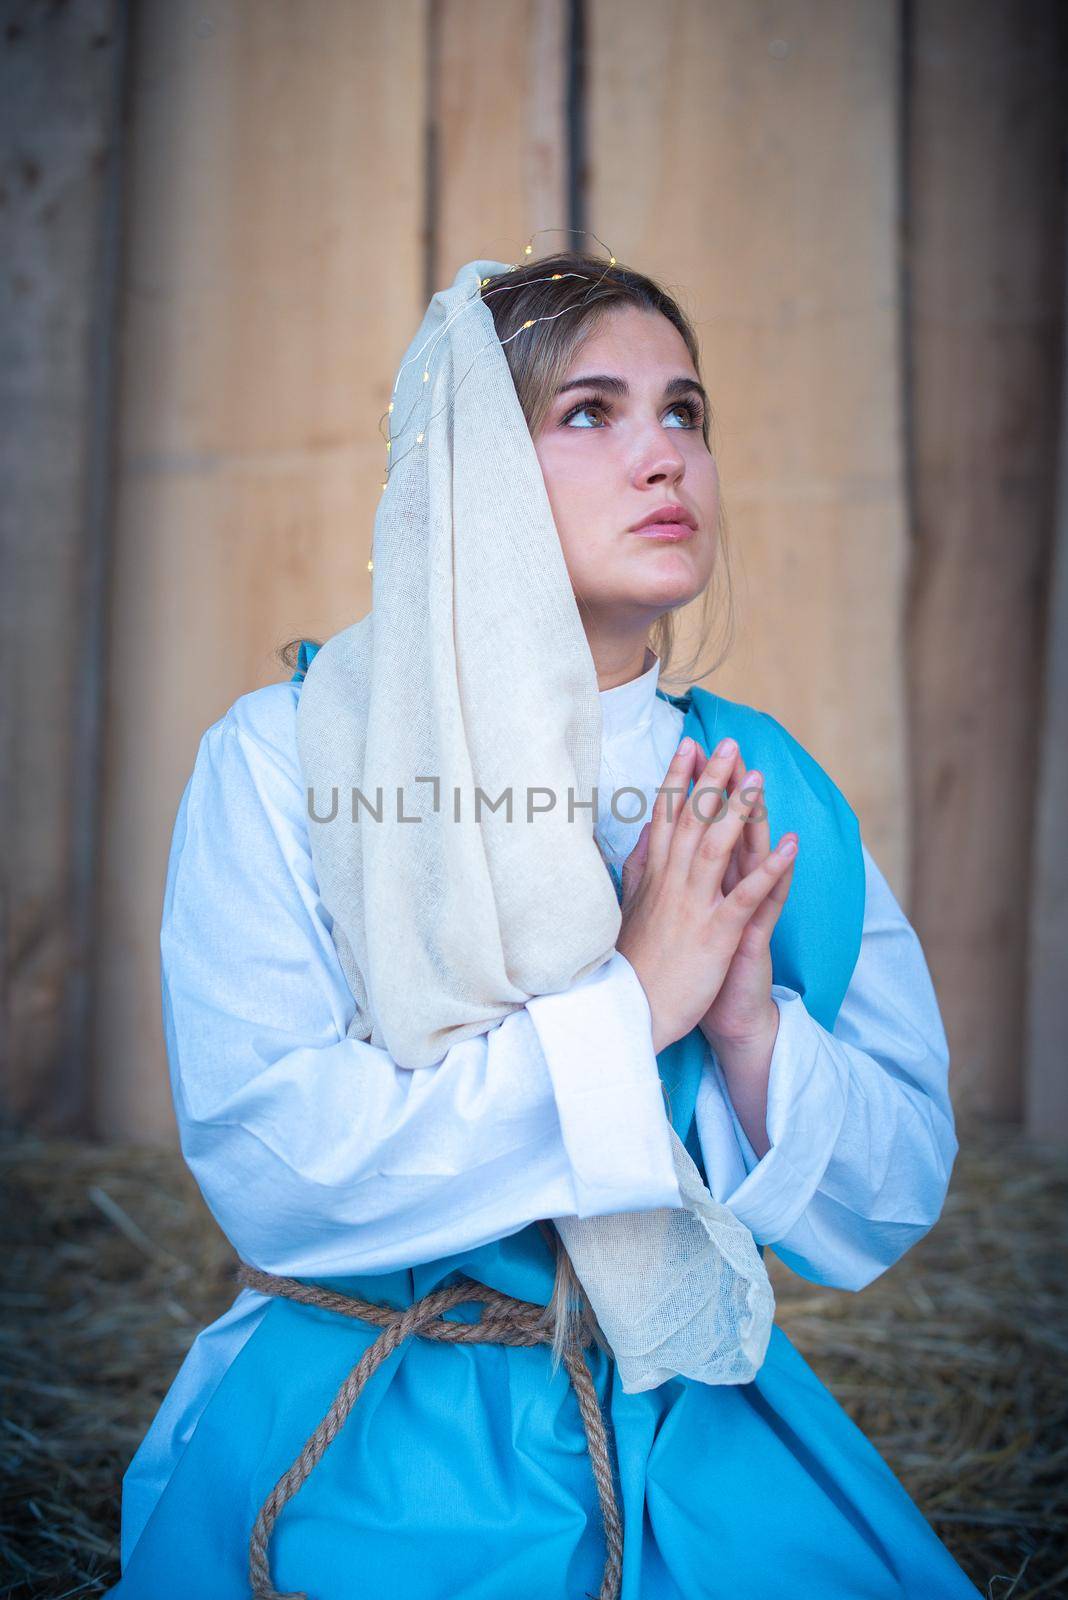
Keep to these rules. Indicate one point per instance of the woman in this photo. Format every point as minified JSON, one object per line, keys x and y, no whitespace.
{"x":371,"y":1110}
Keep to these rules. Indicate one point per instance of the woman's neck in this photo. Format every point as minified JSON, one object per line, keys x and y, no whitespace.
{"x":618,"y":667}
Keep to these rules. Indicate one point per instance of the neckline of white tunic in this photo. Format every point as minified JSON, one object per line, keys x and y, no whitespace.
{"x":640,"y":732}
{"x":628,"y":708}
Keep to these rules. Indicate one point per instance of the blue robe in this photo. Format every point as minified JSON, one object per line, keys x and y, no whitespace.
{"x":463,"y":1471}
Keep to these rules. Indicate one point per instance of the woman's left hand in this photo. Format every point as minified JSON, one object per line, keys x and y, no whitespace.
{"x":744,"y":1015}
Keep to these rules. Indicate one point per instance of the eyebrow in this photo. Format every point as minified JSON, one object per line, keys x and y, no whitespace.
{"x":619,"y":386}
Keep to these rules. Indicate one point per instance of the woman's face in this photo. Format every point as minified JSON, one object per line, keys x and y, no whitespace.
{"x":611,"y":454}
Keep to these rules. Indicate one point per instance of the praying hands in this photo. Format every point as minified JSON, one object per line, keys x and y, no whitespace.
{"x":702,"y":892}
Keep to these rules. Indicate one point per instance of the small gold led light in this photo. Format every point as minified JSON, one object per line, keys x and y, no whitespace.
{"x":528,"y":250}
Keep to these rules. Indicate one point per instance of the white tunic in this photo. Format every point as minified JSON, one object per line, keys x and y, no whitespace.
{"x":319,"y":1157}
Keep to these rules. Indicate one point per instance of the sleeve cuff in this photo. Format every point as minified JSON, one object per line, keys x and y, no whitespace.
{"x":597,"y":1041}
{"x":807,"y":1088}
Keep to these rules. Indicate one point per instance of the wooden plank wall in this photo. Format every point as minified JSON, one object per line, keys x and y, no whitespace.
{"x":1046,"y":1088}
{"x":985,"y":241}
{"x":274,"y":264}
{"x":762,"y":179}
{"x":820,"y":182}
{"x":61,"y":78}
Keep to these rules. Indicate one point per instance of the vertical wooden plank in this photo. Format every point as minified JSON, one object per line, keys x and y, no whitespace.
{"x":1046,"y":1090}
{"x":748,"y":157}
{"x":274,"y":270}
{"x":499,"y":102}
{"x":986,"y":248}
{"x":61,"y":78}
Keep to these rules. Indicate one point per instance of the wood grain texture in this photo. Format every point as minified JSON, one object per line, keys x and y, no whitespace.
{"x":1046,"y":1084}
{"x":61,"y":79}
{"x":986,"y":264}
{"x":747,"y":156}
{"x":274,"y":273}
{"x":498,"y":95}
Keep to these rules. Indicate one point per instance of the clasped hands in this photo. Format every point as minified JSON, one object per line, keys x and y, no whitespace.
{"x":702,"y":892}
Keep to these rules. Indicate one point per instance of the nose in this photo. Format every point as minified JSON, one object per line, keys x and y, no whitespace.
{"x":661,"y":460}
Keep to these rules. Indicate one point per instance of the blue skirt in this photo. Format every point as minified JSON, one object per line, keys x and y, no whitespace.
{"x":463,"y":1473}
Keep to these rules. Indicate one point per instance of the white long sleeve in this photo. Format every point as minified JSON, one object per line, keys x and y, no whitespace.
{"x":860,"y":1124}
{"x":316,"y":1153}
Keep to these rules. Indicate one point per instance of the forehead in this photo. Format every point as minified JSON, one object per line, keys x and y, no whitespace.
{"x":633,"y":340}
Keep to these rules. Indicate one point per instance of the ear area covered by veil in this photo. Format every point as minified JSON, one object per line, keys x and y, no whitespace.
{"x":471,"y":672}
{"x":472,"y":677}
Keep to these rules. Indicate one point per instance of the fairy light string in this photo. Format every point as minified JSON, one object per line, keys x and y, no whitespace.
{"x":429,"y":348}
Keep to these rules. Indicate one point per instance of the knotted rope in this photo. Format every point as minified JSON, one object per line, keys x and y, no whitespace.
{"x":504,"y":1320}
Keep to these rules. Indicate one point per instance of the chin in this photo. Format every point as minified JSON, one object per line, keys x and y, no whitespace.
{"x":665,"y":580}
{"x":673,"y":588}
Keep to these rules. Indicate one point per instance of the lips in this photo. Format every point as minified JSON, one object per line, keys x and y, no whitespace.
{"x":667,"y":522}
{"x":671,"y":532}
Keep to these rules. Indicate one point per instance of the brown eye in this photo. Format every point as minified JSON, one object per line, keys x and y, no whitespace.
{"x":692,"y":409}
{"x":587,"y":405}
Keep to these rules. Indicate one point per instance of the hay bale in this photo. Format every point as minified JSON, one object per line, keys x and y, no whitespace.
{"x":953,"y":1363}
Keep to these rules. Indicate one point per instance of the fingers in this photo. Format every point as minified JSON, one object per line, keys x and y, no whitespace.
{"x":667,"y":807}
{"x":755,"y":841}
{"x":733,"y":870}
{"x":641,"y":845}
{"x":714,"y":819}
{"x":721,"y":829}
{"x":634,"y":866}
{"x":769,"y":910}
{"x":763,"y":891}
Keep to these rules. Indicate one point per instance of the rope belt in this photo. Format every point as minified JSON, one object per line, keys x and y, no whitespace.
{"x":504,"y":1320}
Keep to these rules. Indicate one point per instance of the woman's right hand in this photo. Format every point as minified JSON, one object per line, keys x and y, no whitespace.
{"x":679,"y":930}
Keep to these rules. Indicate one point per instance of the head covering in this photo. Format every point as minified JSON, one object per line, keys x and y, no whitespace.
{"x":459,"y":722}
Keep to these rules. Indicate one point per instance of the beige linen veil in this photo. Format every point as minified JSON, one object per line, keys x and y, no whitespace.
{"x":471,"y":673}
